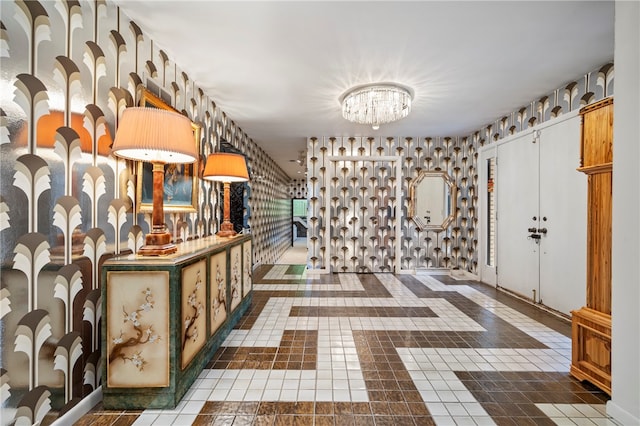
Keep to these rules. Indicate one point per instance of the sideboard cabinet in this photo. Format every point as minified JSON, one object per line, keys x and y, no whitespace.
{"x":164,"y":317}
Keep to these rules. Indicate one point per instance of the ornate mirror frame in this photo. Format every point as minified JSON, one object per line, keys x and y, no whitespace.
{"x":417,"y":194}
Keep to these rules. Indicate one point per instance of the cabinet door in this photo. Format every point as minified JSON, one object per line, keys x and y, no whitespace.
{"x":517,"y":199}
{"x":563,"y":210}
{"x":247,"y":267}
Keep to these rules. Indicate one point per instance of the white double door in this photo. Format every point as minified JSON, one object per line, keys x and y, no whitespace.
{"x":541,"y":216}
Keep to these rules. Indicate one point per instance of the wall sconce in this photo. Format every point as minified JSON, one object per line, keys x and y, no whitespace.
{"x":226,"y":168}
{"x":159,"y":137}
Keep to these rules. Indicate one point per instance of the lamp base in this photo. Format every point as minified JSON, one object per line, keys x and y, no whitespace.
{"x":226,"y":230}
{"x":157,"y":244}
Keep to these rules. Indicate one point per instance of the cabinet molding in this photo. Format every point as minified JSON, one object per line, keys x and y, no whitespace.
{"x":591,"y":348}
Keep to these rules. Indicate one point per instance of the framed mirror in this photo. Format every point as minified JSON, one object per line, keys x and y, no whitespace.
{"x":432,"y":200}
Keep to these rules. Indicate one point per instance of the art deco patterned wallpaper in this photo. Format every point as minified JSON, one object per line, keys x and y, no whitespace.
{"x":298,"y":188}
{"x":69,"y":69}
{"x":455,"y":247}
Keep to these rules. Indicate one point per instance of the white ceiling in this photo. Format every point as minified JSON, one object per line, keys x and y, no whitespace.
{"x":278,"y":68}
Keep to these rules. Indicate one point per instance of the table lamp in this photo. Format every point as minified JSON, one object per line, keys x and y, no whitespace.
{"x":226,"y":167}
{"x":159,"y":137}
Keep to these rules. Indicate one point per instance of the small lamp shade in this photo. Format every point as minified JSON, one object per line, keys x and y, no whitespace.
{"x":226,"y":167}
{"x":155,"y":136}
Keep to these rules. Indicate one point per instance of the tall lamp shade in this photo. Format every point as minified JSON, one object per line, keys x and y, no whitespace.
{"x":226,"y":167}
{"x":159,"y":137}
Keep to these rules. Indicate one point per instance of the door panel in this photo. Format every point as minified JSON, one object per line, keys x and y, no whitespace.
{"x":362,"y":211}
{"x":563,"y":202}
{"x":487,"y":216}
{"x":540,"y":180}
{"x":517,"y":199}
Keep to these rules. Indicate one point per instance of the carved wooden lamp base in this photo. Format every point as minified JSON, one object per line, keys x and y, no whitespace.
{"x":226,"y":167}
{"x":226,"y":230}
{"x":155,"y":135}
{"x":157,"y":243}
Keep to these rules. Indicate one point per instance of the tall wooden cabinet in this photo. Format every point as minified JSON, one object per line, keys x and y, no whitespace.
{"x":591,"y":324}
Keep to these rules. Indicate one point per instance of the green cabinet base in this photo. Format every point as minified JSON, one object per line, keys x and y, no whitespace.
{"x":164,"y":317}
{"x":169,"y":397}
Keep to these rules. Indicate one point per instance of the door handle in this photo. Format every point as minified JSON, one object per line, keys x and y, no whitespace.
{"x":535,"y":236}
{"x":542,"y":230}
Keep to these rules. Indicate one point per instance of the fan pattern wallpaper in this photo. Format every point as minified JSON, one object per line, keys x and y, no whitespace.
{"x":69,"y":69}
{"x":336,"y":189}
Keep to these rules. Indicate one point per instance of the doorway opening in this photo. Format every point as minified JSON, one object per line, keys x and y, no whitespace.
{"x":299,"y":222}
{"x":297,"y":253}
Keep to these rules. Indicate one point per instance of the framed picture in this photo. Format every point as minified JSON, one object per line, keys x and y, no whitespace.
{"x":180,"y":180}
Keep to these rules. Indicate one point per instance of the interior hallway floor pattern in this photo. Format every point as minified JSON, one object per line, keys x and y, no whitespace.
{"x":383,"y":349}
{"x":296,"y":254}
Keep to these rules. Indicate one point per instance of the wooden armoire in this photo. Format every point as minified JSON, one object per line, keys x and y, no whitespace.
{"x":591,"y":324}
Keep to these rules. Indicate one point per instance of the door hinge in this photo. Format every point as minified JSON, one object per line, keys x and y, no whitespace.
{"x":536,"y":136}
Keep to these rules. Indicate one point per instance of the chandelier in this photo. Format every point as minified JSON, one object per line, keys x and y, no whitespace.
{"x":376,"y":104}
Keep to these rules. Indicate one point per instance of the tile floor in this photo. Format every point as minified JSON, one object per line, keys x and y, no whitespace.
{"x":296,"y":254}
{"x":383,"y":349}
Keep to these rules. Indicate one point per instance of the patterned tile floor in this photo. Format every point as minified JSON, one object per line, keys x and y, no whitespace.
{"x":296,"y":254}
{"x":384,"y":349}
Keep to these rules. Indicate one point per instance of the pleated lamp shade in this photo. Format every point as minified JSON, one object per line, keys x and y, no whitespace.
{"x":155,"y":136}
{"x":226,"y":167}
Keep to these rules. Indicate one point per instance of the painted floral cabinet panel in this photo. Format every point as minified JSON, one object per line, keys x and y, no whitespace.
{"x":247,"y":267}
{"x":138,"y":338}
{"x":194,"y":316}
{"x":218,"y":291}
{"x":236,"y":276}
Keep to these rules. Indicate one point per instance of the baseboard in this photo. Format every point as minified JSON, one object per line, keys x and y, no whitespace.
{"x":456,"y":274}
{"x":620,"y":415}
{"x":461,"y":275}
{"x":322,"y":271}
{"x":433,"y":271}
{"x":528,"y":300}
{"x":80,"y":409}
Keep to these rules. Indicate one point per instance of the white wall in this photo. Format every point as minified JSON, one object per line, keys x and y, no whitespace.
{"x":625,"y":403}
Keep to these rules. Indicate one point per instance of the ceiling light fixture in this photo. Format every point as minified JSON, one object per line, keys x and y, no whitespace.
{"x":302,"y":159}
{"x":376,"y":104}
